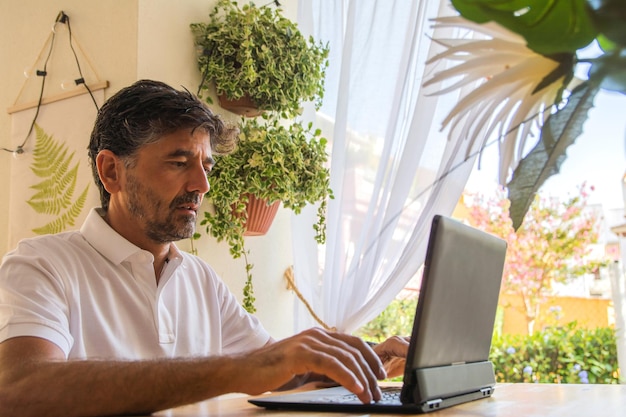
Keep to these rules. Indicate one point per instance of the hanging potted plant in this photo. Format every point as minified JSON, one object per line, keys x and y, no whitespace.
{"x":275,"y":163}
{"x":255,"y":53}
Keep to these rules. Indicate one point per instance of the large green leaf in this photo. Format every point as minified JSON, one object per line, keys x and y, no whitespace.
{"x":549,"y":26}
{"x":544,"y":160}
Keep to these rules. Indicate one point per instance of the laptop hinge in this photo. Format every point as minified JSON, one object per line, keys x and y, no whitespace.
{"x":433,"y":404}
{"x":450,"y":381}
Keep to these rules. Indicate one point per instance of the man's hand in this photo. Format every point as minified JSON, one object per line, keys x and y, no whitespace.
{"x":392,"y":353}
{"x":345,"y":359}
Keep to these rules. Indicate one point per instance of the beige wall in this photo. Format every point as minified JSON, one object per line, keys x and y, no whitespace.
{"x":105,"y":30}
{"x":126,"y":40}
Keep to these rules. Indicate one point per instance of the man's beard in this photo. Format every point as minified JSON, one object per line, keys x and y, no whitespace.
{"x":145,"y":206}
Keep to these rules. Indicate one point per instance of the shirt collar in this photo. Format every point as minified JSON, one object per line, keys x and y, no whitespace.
{"x":111,"y":244}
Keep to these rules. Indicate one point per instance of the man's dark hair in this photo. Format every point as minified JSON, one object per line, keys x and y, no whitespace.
{"x":143,"y":113}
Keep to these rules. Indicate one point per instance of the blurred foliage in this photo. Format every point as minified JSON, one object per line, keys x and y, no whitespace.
{"x":559,"y":354}
{"x":396,"y":319}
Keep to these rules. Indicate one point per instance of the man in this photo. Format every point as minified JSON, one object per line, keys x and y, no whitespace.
{"x":114,"y":319}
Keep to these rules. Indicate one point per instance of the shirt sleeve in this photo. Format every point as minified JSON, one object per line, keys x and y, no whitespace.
{"x":32,"y":300}
{"x":241,"y":331}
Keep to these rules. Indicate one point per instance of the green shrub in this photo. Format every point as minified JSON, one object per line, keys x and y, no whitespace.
{"x":395,"y":320}
{"x":557,"y":355}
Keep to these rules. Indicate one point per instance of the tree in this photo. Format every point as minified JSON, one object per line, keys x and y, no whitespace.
{"x":553,"y":244}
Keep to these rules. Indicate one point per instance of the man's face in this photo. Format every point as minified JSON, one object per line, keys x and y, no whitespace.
{"x":165,"y":185}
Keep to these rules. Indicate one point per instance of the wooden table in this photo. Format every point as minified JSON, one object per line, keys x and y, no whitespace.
{"x":508,"y":400}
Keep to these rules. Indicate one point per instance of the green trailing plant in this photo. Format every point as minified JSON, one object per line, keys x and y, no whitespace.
{"x":54,"y":194}
{"x":274,"y":162}
{"x":256,"y":51}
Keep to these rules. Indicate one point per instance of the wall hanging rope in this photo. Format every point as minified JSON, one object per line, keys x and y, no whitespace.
{"x":291,"y":285}
{"x":48,"y":46}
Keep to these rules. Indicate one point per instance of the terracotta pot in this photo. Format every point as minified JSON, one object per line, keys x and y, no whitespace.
{"x":243,"y":106}
{"x":260,"y":216}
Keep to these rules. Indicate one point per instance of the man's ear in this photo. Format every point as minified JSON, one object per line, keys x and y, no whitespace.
{"x":110,"y":168}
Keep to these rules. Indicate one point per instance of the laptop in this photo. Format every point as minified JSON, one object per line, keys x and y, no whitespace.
{"x":448,"y":359}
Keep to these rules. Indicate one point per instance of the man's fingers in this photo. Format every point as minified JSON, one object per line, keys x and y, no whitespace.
{"x":372,"y":359}
{"x":346,"y":360}
{"x":395,"y":366}
{"x":394,"y":346}
{"x":366,"y":369}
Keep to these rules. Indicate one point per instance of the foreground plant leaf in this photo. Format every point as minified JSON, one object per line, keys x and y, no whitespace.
{"x":549,"y":26}
{"x":544,"y":160}
{"x":514,"y":86}
{"x":610,"y":16}
{"x":610,"y":70}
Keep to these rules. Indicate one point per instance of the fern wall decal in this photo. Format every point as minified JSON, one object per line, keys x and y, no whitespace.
{"x":53,"y":195}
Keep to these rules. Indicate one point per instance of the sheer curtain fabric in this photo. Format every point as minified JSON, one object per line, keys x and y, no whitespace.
{"x":392,"y":168}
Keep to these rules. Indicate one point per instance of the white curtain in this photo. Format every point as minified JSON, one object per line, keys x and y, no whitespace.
{"x":391,"y":167}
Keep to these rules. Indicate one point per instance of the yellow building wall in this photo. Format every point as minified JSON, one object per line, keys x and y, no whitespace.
{"x":556,"y":311}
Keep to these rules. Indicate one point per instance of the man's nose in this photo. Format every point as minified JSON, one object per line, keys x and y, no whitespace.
{"x":198,"y":180}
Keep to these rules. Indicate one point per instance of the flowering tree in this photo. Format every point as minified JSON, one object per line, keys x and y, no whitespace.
{"x":552,"y":244}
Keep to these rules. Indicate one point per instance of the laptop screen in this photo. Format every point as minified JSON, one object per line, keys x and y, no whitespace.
{"x":458,"y":298}
{"x":448,"y":355}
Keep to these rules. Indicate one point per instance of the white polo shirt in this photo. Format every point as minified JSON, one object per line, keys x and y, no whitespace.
{"x":94,"y":294}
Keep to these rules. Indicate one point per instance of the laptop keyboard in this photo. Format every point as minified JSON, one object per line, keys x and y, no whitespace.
{"x":391,"y":395}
